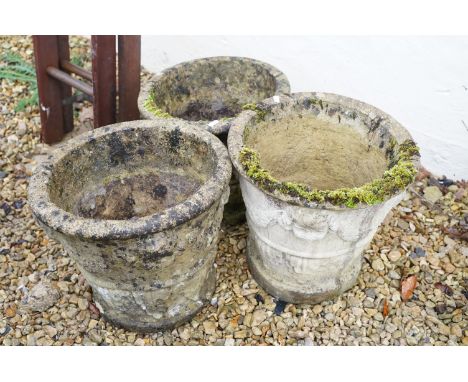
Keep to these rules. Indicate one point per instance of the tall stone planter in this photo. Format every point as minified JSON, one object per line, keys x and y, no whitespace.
{"x":138,"y":206}
{"x":210,"y":92}
{"x":305,"y":243}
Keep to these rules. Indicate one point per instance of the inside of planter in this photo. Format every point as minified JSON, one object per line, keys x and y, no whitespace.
{"x":131,"y":173}
{"x":212,"y":89}
{"x":319,"y":152}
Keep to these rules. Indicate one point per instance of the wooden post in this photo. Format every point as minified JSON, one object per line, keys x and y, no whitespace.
{"x":129,"y":77}
{"x":104,"y":83}
{"x":46,"y":53}
{"x":64,"y":55}
{"x":52,"y":57}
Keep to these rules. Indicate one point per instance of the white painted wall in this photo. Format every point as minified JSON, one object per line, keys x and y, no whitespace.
{"x":420,"y":81}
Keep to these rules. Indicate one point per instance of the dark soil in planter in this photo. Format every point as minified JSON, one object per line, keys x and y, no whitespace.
{"x":130,"y":174}
{"x":136,"y":195}
{"x":316,"y":153}
{"x":197,"y":110}
{"x":212,"y":89}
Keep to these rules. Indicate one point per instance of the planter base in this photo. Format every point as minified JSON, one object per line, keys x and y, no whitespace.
{"x":283,"y":282}
{"x":155,"y":310}
{"x":307,"y":255}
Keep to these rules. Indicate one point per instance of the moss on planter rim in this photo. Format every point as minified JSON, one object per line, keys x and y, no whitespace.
{"x":261,"y":114}
{"x":150,"y":105}
{"x":396,"y":178}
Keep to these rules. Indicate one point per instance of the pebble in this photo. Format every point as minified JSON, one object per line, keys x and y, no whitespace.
{"x":240,"y":334}
{"x":63,"y":286}
{"x":378,"y":316}
{"x":83,"y":304}
{"x":370,"y":292}
{"x":92,"y":324}
{"x":95,"y":336}
{"x":432,"y":194}
{"x":210,"y":327}
{"x":378,"y":265}
{"x":394,"y":255}
{"x":418,"y":252}
{"x":317,"y":309}
{"x":456,"y":331}
{"x":394,"y":275}
{"x":10,"y":312}
{"x":21,"y":128}
{"x":257,"y":331}
{"x":41,"y":297}
{"x":241,"y":244}
{"x":444,"y":329}
{"x":50,"y":331}
{"x":71,"y":312}
{"x":185,"y":334}
{"x":258,"y":317}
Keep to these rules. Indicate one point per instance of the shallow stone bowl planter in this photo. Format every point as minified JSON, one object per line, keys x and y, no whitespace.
{"x":211,"y":91}
{"x":305,"y":244}
{"x":138,"y":206}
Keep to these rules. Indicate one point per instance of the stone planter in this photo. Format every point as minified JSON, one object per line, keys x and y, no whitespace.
{"x":210,"y":92}
{"x":138,"y":206}
{"x":305,"y":243}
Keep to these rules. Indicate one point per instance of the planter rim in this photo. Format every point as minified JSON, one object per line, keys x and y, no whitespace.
{"x":216,"y":127}
{"x":70,"y":224}
{"x":236,"y":143}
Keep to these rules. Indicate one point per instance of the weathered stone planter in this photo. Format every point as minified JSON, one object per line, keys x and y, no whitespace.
{"x":138,"y":206}
{"x":305,"y":244}
{"x":210,"y":92}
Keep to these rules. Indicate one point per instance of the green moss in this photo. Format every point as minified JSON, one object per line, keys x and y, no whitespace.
{"x":260,"y":113}
{"x":150,"y":105}
{"x":407,"y":150}
{"x":393,"y":180}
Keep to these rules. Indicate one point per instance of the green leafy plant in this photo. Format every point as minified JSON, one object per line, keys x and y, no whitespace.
{"x":150,"y":105}
{"x":15,"y":68}
{"x":78,"y":60}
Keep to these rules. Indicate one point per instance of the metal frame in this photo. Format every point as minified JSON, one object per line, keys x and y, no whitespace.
{"x":56,"y":76}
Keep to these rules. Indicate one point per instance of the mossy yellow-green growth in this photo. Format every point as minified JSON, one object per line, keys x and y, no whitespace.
{"x":260,"y":113}
{"x":393,"y":180}
{"x":150,"y":105}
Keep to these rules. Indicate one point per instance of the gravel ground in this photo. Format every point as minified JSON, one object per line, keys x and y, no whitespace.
{"x":44,"y":300}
